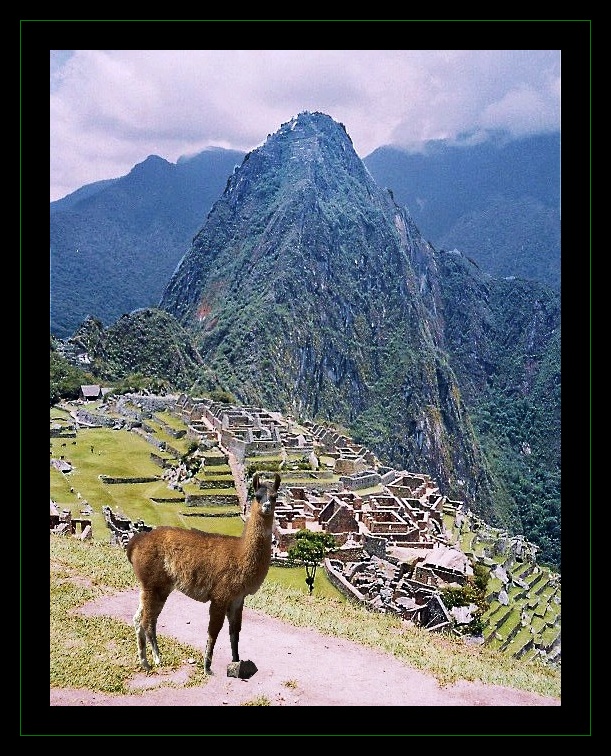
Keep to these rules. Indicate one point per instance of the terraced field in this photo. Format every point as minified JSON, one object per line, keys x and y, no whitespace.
{"x":524,"y":614}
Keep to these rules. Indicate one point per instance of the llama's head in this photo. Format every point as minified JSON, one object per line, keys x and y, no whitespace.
{"x":266,"y":494}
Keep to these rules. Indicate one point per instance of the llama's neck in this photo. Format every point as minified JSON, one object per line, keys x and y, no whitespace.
{"x":257,"y":529}
{"x":257,"y":534}
{"x":256,"y":550}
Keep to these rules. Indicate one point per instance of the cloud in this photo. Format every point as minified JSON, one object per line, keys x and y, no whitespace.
{"x":110,"y":109}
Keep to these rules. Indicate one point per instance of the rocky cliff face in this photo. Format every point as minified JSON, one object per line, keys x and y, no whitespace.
{"x":310,"y":291}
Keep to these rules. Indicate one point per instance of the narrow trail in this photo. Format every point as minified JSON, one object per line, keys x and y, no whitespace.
{"x":296,"y":666}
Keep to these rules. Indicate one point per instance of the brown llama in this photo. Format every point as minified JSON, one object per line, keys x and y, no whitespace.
{"x":221,"y":569}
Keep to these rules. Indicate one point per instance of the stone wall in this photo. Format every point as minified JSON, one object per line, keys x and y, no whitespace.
{"x":375,"y":546}
{"x":235,"y":445}
{"x":339,"y":581}
{"x":147,"y":435}
{"x":94,"y":419}
{"x":211,"y":514}
{"x":144,"y":479}
{"x":207,"y":483}
{"x":431,"y":575}
{"x":163,"y":462}
{"x":218,"y":500}
{"x":358,"y":482}
{"x":150,"y":403}
{"x":62,"y":432}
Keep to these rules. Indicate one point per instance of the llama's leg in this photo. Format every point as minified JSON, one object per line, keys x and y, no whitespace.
{"x":145,"y":622}
{"x":141,"y":637}
{"x":215,"y":623}
{"x":234,"y":615}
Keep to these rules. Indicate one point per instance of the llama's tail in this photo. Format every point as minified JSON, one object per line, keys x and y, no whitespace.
{"x":130,"y":547}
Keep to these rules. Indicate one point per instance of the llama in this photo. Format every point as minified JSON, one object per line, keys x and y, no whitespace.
{"x":221,"y":569}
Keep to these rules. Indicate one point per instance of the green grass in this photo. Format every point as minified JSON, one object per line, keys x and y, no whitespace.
{"x":511,"y":621}
{"x":522,"y":638}
{"x":538,"y":624}
{"x":194,"y":490}
{"x":221,"y":469}
{"x":122,"y":453}
{"x":117,"y":453}
{"x":134,"y":499}
{"x":550,"y":634}
{"x":293,"y":578}
{"x":173,"y":422}
{"x":179,"y":445}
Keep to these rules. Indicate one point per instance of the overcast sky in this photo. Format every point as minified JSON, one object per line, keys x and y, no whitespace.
{"x":111,"y":109}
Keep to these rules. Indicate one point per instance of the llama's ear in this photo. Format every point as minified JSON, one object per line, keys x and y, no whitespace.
{"x":277,"y":481}
{"x":255,"y":482}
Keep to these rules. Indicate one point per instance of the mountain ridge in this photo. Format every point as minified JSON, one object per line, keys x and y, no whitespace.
{"x":97,"y":231}
{"x":115,"y":243}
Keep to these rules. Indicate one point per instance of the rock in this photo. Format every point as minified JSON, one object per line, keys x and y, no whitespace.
{"x":242,"y":669}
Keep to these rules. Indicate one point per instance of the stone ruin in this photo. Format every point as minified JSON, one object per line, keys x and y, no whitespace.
{"x":62,"y":523}
{"x":121,"y":528}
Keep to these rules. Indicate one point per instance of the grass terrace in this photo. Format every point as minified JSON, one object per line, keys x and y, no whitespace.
{"x":171,"y":421}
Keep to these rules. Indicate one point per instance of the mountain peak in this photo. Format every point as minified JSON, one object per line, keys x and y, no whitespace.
{"x":310,"y":155}
{"x":152,"y":167}
{"x":307,"y":269}
{"x":312,"y":123}
{"x":303,"y":197}
{"x":310,"y":132}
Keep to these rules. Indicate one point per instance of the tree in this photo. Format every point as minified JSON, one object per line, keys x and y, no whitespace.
{"x":66,"y":379}
{"x":310,"y":549}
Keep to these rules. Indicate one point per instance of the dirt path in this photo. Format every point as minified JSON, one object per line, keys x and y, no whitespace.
{"x":296,"y":667}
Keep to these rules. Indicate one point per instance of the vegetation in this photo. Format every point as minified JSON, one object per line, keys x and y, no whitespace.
{"x":66,"y":379}
{"x":513,"y":395}
{"x":134,"y":383}
{"x":81,"y":572}
{"x":117,"y":454}
{"x":113,"y":251}
{"x":472,"y":592}
{"x":304,"y":292}
{"x":310,"y":549}
{"x":507,"y":220}
{"x":258,"y":701}
{"x":120,"y":453}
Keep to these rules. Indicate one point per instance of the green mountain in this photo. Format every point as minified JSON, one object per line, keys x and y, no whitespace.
{"x":114,"y":244}
{"x":311,"y":291}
